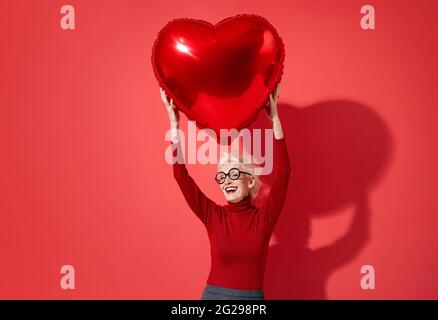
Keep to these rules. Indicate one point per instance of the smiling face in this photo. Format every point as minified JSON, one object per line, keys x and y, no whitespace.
{"x":236,"y":190}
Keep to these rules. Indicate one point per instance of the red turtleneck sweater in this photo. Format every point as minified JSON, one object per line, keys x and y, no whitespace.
{"x":239,"y":233}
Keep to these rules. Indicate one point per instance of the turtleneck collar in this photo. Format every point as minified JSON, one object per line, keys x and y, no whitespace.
{"x":242,"y":206}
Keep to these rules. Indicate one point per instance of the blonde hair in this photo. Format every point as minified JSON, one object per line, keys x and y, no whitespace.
{"x":245,"y":162}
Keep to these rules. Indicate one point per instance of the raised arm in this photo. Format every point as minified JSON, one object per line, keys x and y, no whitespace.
{"x":200,"y":204}
{"x":281,"y":165}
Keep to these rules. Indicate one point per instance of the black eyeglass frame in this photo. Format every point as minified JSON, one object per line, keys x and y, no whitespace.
{"x":228,"y":174}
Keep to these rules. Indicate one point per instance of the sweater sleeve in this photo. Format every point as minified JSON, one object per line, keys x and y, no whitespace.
{"x":200,"y":204}
{"x":273,"y":204}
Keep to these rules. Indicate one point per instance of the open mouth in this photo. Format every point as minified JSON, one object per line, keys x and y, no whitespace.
{"x":230,"y":189}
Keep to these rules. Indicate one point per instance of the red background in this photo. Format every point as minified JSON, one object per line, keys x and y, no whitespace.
{"x":83,"y":179}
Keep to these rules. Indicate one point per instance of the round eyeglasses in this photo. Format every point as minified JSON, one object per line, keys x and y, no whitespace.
{"x":233,"y":173}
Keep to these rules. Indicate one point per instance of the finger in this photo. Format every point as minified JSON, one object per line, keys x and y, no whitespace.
{"x":277,"y":91}
{"x":163,"y":96}
{"x":171,"y":102}
{"x":271,"y":99}
{"x":166,"y":100}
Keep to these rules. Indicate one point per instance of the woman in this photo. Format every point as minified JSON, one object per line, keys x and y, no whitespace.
{"x":239,"y":232}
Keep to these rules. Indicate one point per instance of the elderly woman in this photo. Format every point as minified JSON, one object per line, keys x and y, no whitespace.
{"x":239,"y":232}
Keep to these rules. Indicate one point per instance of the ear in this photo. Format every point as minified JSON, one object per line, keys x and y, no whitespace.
{"x":251,"y":182}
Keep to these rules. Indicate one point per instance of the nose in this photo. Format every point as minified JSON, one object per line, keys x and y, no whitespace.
{"x":227,"y":180}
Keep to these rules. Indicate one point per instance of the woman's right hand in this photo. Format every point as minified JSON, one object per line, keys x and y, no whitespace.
{"x":172,"y":111}
{"x":173,"y":114}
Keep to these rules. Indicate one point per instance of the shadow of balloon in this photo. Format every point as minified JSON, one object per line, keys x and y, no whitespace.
{"x":338,"y":151}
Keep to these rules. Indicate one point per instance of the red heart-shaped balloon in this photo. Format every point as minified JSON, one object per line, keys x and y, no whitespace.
{"x":219,"y":75}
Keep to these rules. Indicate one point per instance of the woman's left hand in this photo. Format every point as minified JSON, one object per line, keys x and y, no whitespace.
{"x":272,"y":105}
{"x":272,"y":109}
